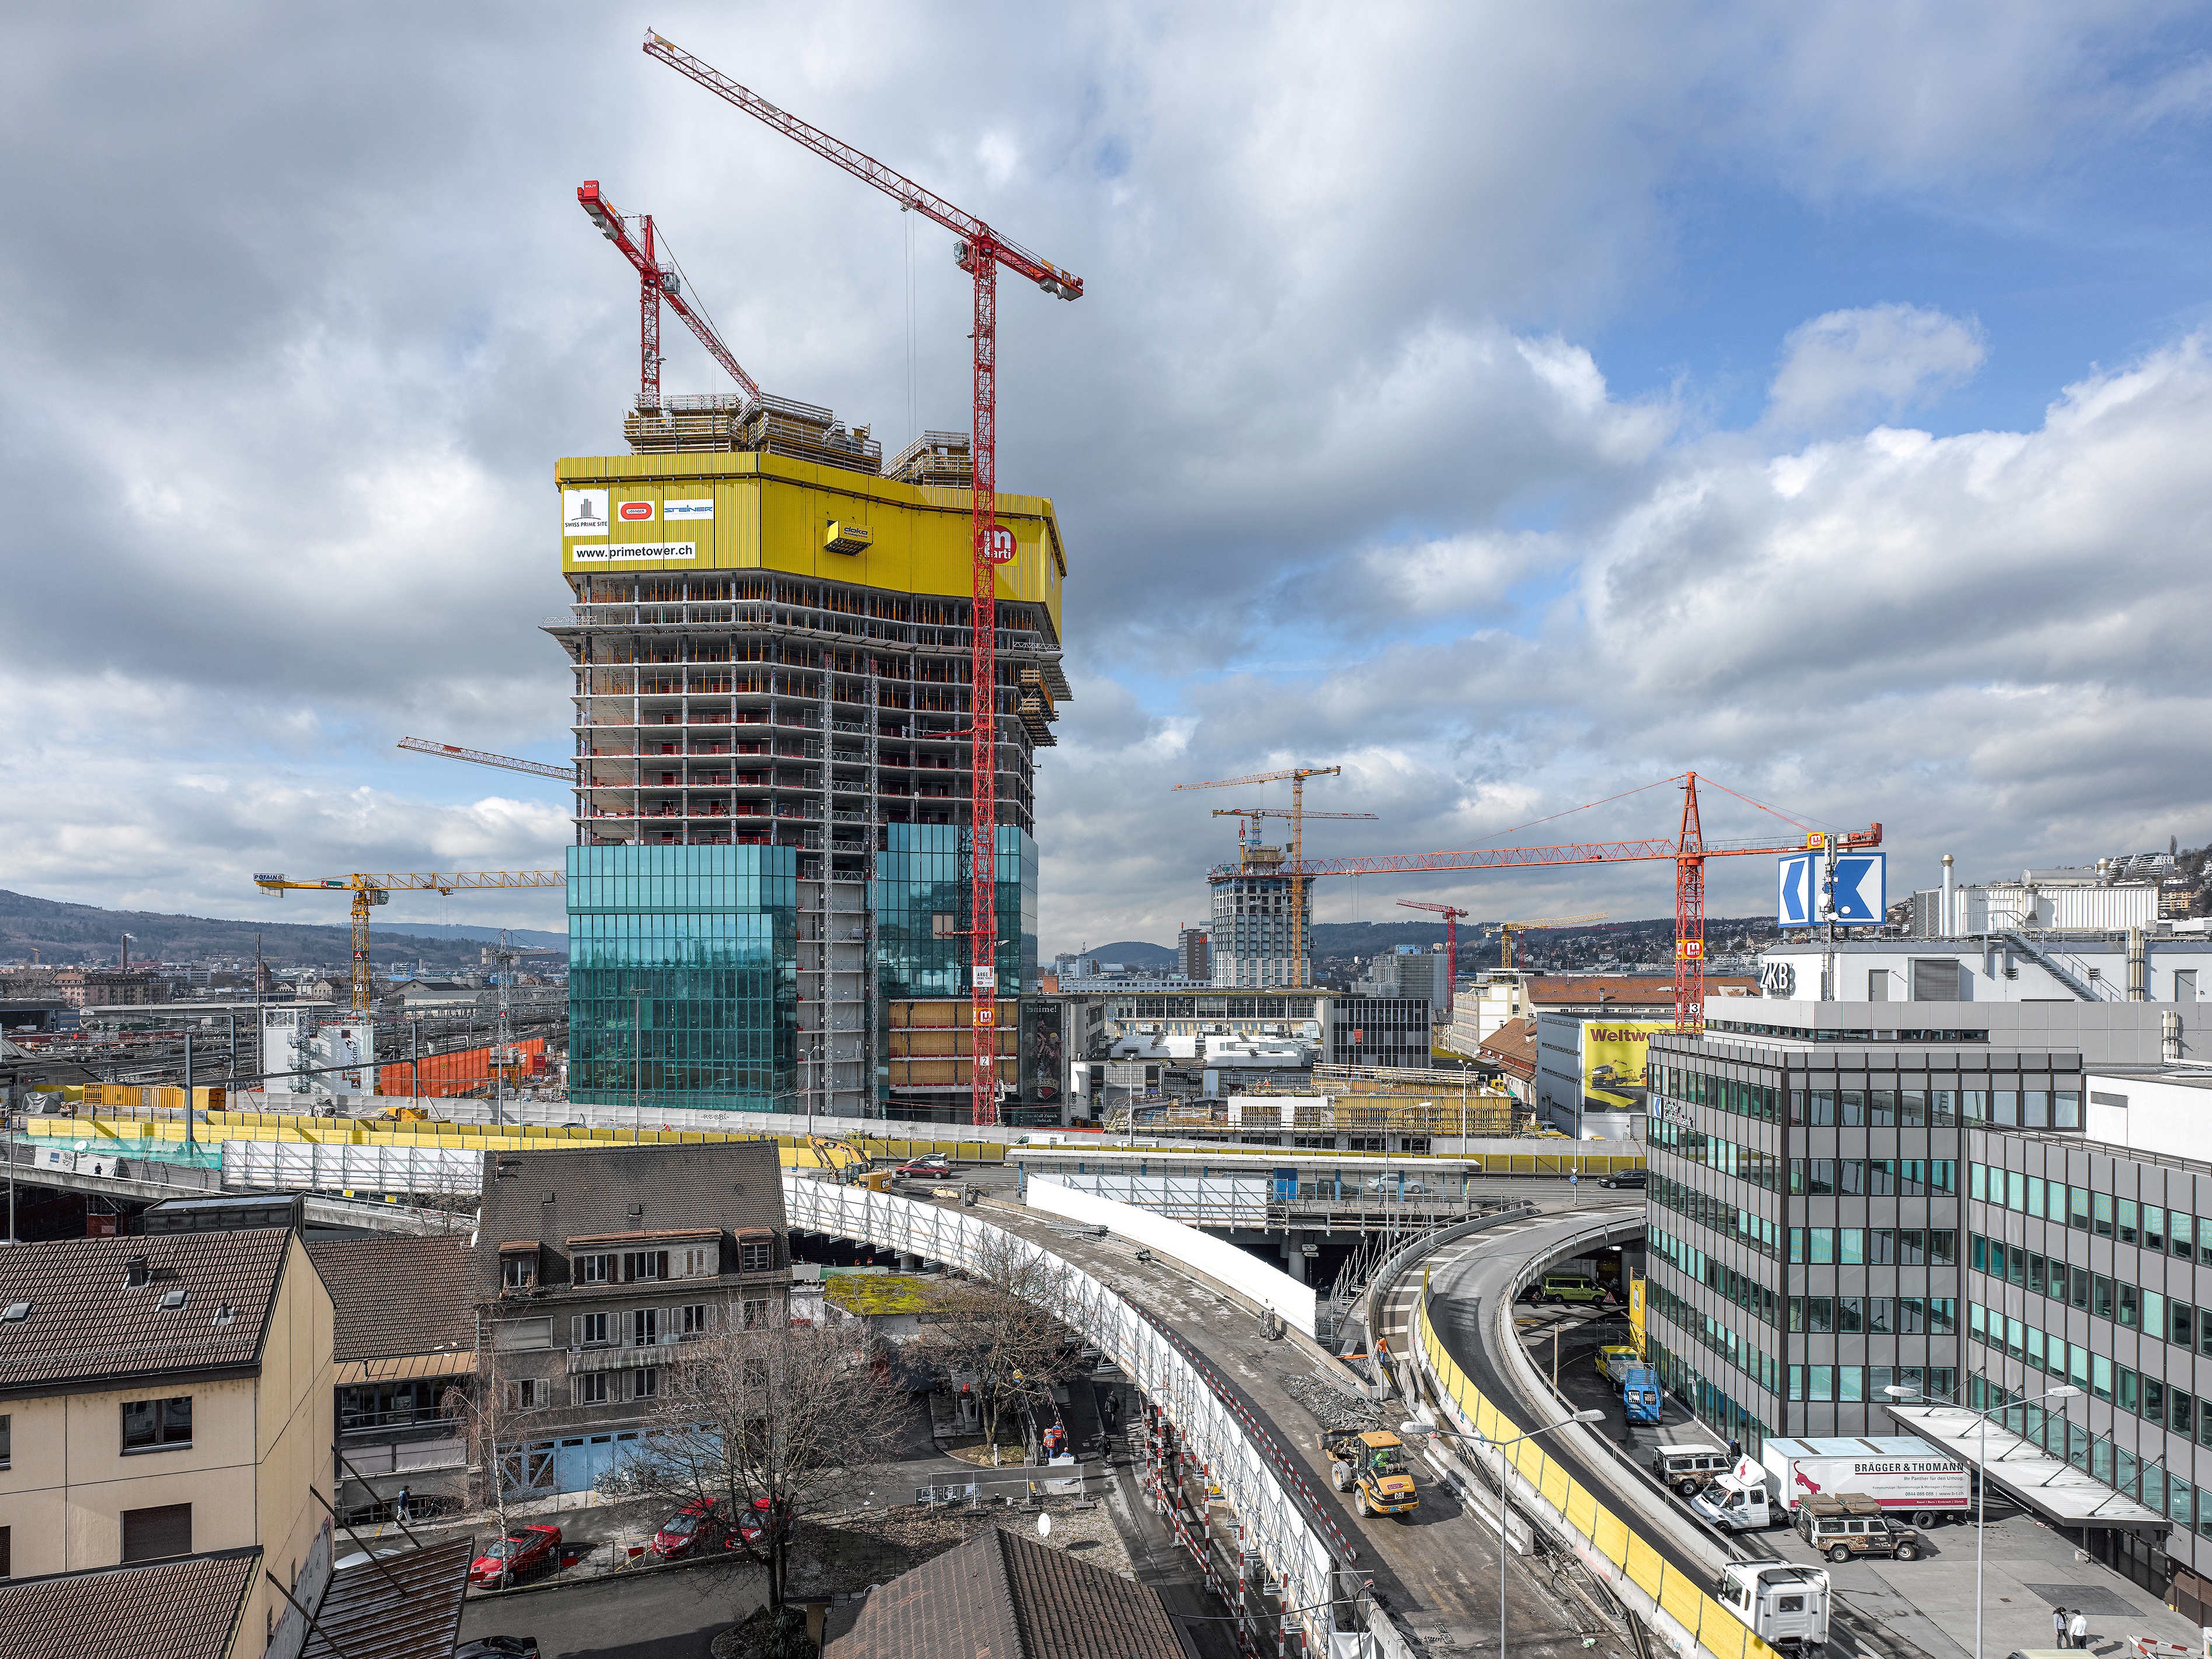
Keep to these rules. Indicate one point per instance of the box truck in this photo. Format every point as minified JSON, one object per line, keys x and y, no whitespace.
{"x":1786,"y":1607}
{"x":1904,"y":1475}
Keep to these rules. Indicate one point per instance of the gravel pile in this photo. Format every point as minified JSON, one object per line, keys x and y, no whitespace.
{"x":1331,"y":1407}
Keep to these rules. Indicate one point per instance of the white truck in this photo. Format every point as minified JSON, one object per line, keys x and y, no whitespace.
{"x":1785,"y":1606}
{"x":1736,"y":1502}
{"x":1903,"y":1474}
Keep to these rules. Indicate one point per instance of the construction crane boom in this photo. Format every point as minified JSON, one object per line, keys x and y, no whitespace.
{"x":482,"y":757}
{"x":1509,"y":933}
{"x":1299,"y":883}
{"x":980,"y":252}
{"x":369,"y":889}
{"x":1451,"y":916}
{"x":657,"y":285}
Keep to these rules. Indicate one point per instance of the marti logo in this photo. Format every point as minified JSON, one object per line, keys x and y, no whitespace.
{"x":998,"y":545}
{"x":636,"y":511}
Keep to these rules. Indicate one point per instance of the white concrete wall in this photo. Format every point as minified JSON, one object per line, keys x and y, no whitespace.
{"x":2148,"y":1114}
{"x":1270,"y":1287}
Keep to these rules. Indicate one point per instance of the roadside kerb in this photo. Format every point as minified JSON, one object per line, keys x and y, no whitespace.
{"x":1398,"y":1260}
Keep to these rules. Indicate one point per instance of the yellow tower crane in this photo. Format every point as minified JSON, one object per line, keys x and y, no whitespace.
{"x":1509,"y":933}
{"x":373,"y":889}
{"x":1301,"y":884}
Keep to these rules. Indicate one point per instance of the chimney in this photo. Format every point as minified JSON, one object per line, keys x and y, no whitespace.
{"x":1949,"y":928}
{"x":134,"y":1273}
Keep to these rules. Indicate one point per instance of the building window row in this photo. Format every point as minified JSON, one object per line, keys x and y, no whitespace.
{"x":1723,"y":1094}
{"x":1728,"y":1158}
{"x":1904,"y":1246}
{"x":1711,"y":1403}
{"x":1873,"y":1178}
{"x":1753,"y":1230}
{"x":2129,"y":1306}
{"x":2093,"y":1372}
{"x":1859,"y":1383}
{"x":2144,"y":1479}
{"x":1694,"y":1264}
{"x":1875,"y":1315}
{"x":2124,"y":1220}
{"x":1729,"y":1344}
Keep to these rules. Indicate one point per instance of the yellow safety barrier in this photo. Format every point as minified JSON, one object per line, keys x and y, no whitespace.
{"x":1682,"y":1598}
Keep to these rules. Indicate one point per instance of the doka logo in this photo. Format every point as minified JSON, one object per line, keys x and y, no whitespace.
{"x":636,"y":511}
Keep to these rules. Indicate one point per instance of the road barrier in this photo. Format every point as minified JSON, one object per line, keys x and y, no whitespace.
{"x":1673,"y":1603}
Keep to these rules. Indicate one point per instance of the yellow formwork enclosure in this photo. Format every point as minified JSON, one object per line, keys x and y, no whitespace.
{"x":1681,"y":1597}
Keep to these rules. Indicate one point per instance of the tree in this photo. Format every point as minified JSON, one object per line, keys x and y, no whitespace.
{"x":490,"y":1416}
{"x":767,"y":1425}
{"x":995,"y":1325}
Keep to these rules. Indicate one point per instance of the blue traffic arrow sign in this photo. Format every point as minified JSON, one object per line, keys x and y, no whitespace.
{"x":1795,"y":879}
{"x":1862,"y":896}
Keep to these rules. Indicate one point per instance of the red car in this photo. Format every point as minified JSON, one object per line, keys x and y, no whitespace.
{"x":684,"y":1532}
{"x":752,"y":1524}
{"x":928,"y":1166}
{"x":523,"y":1550}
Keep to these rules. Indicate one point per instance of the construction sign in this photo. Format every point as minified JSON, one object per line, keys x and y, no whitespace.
{"x":1636,"y":1317}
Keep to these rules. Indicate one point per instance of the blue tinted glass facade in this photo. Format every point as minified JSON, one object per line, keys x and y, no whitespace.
{"x":709,"y":935}
{"x":919,"y":896}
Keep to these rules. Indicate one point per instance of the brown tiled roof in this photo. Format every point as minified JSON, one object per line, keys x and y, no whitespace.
{"x":364,"y":1611}
{"x":86,"y":1323}
{"x":395,"y":1295}
{"x":1513,"y":1045}
{"x":1007,"y":1597}
{"x":187,"y":1608}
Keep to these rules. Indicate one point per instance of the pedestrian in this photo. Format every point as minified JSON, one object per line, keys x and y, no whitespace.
{"x":2058,"y":1627}
{"x":2078,"y":1628}
{"x":399,"y":1507}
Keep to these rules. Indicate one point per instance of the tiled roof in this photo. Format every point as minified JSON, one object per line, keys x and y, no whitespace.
{"x":398,"y":1606}
{"x":1514,"y":1043}
{"x":663,"y":1234}
{"x":395,"y":1295}
{"x":187,"y":1608}
{"x":1003,"y":1595}
{"x":87,"y":1322}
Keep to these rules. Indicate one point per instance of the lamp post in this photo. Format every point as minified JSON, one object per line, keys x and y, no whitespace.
{"x":1902,"y":1392}
{"x":1417,"y":1430}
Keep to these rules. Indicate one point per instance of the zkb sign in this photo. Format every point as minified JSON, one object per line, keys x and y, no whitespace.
{"x":1777,"y":979}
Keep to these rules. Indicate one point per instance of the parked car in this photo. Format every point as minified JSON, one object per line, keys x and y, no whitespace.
{"x":1562,"y":1288}
{"x":498,"y":1647}
{"x":752,"y":1525}
{"x":927,"y":1165}
{"x":684,"y":1532}
{"x":1635,"y":1178}
{"x":1851,"y":1524}
{"x":523,"y":1551}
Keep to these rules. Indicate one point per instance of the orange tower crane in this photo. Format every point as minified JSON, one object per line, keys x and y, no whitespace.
{"x":372,"y":889}
{"x":1509,"y":933}
{"x":1687,"y":849}
{"x":1297,"y":776}
{"x":980,"y":252}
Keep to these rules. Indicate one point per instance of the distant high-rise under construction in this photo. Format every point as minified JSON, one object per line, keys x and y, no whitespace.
{"x":770,"y":649}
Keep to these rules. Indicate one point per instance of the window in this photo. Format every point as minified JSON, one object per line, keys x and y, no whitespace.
{"x":644,"y":1383}
{"x":591,"y":1389}
{"x":156,"y":1533}
{"x":595,"y":1269}
{"x":757,"y":1314}
{"x":644,"y":1265}
{"x":1943,"y":1247}
{"x":1910,"y":1313}
{"x":590,"y":1330}
{"x":7,"y":1552}
{"x":157,"y":1426}
{"x":1820,"y":1314}
{"x":756,"y":1255}
{"x":2101,"y":1299}
{"x":525,"y":1395}
{"x":701,"y":1261}
{"x":7,"y":1453}
{"x":519,"y":1273}
{"x":692,"y":1320}
{"x":644,"y":1327}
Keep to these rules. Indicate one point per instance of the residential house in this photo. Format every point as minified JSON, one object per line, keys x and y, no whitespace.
{"x":591,"y":1265}
{"x":163,"y":1397}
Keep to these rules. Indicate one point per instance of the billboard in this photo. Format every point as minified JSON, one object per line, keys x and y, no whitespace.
{"x":1043,"y":1053}
{"x":1804,"y":898}
{"x":1613,"y":1060}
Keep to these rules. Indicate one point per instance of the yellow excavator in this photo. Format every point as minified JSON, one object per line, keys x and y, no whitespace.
{"x":841,"y":1158}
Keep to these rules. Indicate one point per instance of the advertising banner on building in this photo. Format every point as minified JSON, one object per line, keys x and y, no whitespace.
{"x":1043,"y":1053}
{"x":1636,"y":1317}
{"x":1613,"y":1060}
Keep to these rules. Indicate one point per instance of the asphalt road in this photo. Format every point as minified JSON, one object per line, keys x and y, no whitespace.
{"x":668,"y":1615}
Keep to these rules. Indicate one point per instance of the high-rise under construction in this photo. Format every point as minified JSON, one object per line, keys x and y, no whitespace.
{"x":770,"y":647}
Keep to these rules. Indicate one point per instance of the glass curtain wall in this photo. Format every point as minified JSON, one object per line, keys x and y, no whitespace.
{"x":920,"y":898}
{"x":683,"y":977}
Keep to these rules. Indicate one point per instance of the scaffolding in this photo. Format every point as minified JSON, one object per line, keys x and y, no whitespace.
{"x":936,"y":458}
{"x":768,"y":425}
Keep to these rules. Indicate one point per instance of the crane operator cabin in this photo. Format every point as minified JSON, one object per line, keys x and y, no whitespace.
{"x":768,"y":637}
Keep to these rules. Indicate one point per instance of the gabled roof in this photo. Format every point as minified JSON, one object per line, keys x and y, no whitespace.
{"x":87,"y":1323}
{"x":1003,"y":1595}
{"x":398,"y":1295}
{"x":406,"y":1606}
{"x":186,"y":1608}
{"x":1512,"y":1045}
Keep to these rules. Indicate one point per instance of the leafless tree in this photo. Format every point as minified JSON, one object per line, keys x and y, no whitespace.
{"x":493,"y":1420}
{"x":995,"y":1325}
{"x":770,"y":1424}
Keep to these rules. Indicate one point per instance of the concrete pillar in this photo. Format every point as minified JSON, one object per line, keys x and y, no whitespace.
{"x":1294,"y":1259}
{"x":909,"y":1264}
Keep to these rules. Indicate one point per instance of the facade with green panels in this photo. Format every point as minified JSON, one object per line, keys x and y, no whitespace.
{"x":683,"y":976}
{"x":920,"y":898}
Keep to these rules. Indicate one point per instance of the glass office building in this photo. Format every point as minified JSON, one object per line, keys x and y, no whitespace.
{"x":683,"y":977}
{"x":920,"y":899}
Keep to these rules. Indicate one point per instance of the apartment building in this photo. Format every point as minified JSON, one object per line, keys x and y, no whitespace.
{"x":593,"y":1269}
{"x":168,"y":1397}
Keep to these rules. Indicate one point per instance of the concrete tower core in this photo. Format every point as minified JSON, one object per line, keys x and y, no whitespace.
{"x":770,"y":645}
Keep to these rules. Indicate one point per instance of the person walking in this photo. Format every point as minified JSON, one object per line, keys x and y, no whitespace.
{"x":2058,"y":1627}
{"x":399,"y":1507}
{"x":2078,"y":1628}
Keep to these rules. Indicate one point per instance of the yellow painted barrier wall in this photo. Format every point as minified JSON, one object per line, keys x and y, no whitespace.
{"x":1717,"y":1631}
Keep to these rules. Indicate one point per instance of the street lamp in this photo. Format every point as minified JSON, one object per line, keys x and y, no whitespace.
{"x":1418,"y":1431}
{"x":1904,"y":1391}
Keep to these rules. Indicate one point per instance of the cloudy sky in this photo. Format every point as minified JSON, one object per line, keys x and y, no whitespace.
{"x":1514,"y":406}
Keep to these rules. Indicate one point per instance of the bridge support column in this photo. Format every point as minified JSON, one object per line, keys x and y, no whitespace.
{"x":1294,"y":1260}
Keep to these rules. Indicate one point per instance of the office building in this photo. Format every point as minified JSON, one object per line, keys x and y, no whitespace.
{"x":1260,"y":936}
{"x":1194,"y":958}
{"x":768,"y":637}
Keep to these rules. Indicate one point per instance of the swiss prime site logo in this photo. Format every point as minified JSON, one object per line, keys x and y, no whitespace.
{"x":583,"y":512}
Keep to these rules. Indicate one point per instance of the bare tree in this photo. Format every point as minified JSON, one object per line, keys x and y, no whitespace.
{"x":770,"y":1424}
{"x":995,"y":1325}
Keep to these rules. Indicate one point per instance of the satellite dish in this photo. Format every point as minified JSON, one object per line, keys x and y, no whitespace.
{"x":1044,"y":1526}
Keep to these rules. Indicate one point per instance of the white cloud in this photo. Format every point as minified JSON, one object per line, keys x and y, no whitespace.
{"x":1877,"y":362}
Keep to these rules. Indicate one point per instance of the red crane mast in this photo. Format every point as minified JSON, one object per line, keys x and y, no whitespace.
{"x":1451,"y":939}
{"x":655,"y":284}
{"x":1687,"y":849}
{"x":980,"y":251}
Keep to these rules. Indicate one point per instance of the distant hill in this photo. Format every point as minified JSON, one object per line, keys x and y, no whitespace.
{"x":1133,"y":953}
{"x":1372,"y":939}
{"x":63,"y":933}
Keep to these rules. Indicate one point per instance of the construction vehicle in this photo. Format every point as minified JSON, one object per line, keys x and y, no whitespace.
{"x":1785,"y":1606}
{"x":841,"y":1158}
{"x":979,"y":250}
{"x":398,"y":1114}
{"x":1372,"y":1464}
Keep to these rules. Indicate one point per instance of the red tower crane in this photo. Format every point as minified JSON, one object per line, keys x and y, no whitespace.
{"x":980,"y":251}
{"x":1451,"y":939}
{"x":655,"y":282}
{"x":1687,"y":849}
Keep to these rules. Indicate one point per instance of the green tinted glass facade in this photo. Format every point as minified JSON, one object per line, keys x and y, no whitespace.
{"x":919,"y":896}
{"x":709,"y":936}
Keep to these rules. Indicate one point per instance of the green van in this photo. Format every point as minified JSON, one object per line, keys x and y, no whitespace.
{"x":1570,"y":1287}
